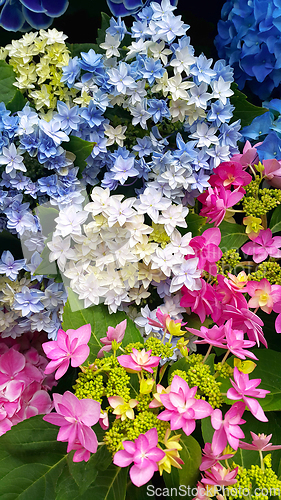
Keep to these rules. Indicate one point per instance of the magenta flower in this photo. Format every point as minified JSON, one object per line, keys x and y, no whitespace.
{"x":227,"y":293}
{"x":70,"y":345}
{"x":236,"y":344}
{"x":264,"y":295}
{"x":16,"y":374}
{"x":209,"y":458}
{"x":182,"y":409}
{"x":144,"y":454}
{"x":214,"y":336}
{"x":139,"y":360}
{"x":246,"y":389}
{"x":206,"y":248}
{"x":247,"y":321}
{"x":263,"y":246}
{"x":165,"y":322}
{"x":116,"y":334}
{"x":201,"y":301}
{"x":75,"y":418}
{"x":230,"y":173}
{"x":227,"y":429}
{"x":277,"y":309}
{"x":216,"y":201}
{"x":272,"y":172}
{"x":260,"y":443}
{"x":220,"y":476}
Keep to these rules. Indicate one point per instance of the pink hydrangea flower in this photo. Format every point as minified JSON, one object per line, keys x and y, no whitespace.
{"x":235,"y":342}
{"x":202,"y":302}
{"x":227,"y":429}
{"x":277,"y":309}
{"x":182,"y":409}
{"x":246,"y":389}
{"x":75,"y":418}
{"x":228,"y":293}
{"x":245,"y":320}
{"x":230,"y":173}
{"x":206,"y":248}
{"x":214,"y":336}
{"x":139,"y":360}
{"x":144,"y":454}
{"x":272,"y":172}
{"x":249,"y":156}
{"x":260,"y":443}
{"x":263,"y":295}
{"x":209,"y":458}
{"x":263,"y":246}
{"x":116,"y":334}
{"x":69,"y":346}
{"x":216,"y":201}
{"x":220,"y":476}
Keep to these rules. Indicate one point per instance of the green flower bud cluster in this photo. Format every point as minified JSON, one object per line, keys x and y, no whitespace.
{"x":133,"y":345}
{"x":105,"y":378}
{"x":193,"y":359}
{"x":89,"y":386}
{"x":274,"y":193}
{"x":224,"y":371}
{"x":143,"y":422}
{"x":208,"y":387}
{"x":144,"y":400}
{"x":229,"y":260}
{"x":253,"y":188}
{"x":116,"y":434}
{"x":257,"y":208}
{"x":158,"y":348}
{"x":265,"y":480}
{"x":243,"y":483}
{"x":155,"y":345}
{"x":269,"y":270}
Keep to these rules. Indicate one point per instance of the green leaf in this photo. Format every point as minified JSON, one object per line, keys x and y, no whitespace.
{"x":82,"y":149}
{"x":105,"y":23}
{"x":46,"y":267}
{"x":47,"y":216}
{"x":109,"y":484}
{"x":77,"y":48}
{"x":7,"y":80}
{"x":232,"y":236}
{"x":17,"y":103}
{"x":244,"y":110}
{"x":268,"y":370}
{"x":194,"y":223}
{"x":31,"y":460}
{"x":99,"y":319}
{"x":275,"y":221}
{"x":188,"y":475}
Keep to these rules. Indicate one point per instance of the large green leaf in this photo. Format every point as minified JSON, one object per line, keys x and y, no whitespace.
{"x":99,"y":319}
{"x":31,"y":460}
{"x":7,"y":80}
{"x":244,"y":110}
{"x":82,"y":149}
{"x":275,"y":222}
{"x":194,"y":224}
{"x":188,"y":474}
{"x":232,"y":236}
{"x":17,"y":103}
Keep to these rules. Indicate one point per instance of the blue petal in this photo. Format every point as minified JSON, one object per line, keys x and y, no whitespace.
{"x":133,"y":4}
{"x":34,"y":5}
{"x":55,"y":8}
{"x":118,"y":10}
{"x":11,"y":17}
{"x":37,"y":20}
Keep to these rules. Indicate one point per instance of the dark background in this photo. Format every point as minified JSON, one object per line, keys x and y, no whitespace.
{"x":82,"y":20}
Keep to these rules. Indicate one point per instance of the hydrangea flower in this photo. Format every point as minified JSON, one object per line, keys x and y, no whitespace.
{"x":21,"y":15}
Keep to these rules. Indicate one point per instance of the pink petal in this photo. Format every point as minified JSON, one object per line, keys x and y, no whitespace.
{"x":140,"y":476}
{"x":83,"y":334}
{"x":256,"y":409}
{"x":216,"y":419}
{"x":122,"y":458}
{"x":62,"y":369}
{"x":90,"y":411}
{"x":87,"y":437}
{"x":55,"y":419}
{"x":80,"y":355}
{"x":189,"y":427}
{"x":12,"y":362}
{"x":14,"y":390}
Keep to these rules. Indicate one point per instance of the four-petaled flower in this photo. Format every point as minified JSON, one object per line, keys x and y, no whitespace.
{"x":70,"y":345}
{"x":144,"y":453}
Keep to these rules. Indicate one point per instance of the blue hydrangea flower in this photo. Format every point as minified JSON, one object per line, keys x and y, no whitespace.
{"x":9,"y":266}
{"x":249,"y":39}
{"x":21,"y":15}
{"x":122,"y":8}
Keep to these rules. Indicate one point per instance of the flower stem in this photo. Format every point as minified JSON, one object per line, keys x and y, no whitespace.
{"x":207,"y":354}
{"x":225,"y":356}
{"x":261,"y":459}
